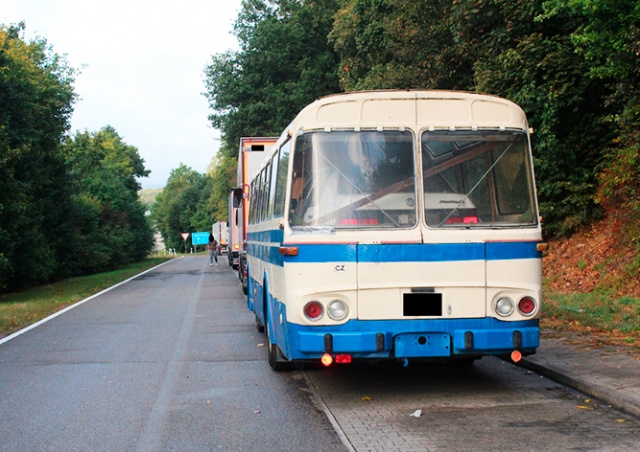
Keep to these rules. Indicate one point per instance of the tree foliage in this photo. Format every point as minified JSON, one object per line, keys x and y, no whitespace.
{"x":530,"y":58}
{"x":610,"y":44}
{"x":36,"y":98}
{"x":111,"y":228}
{"x":399,"y":44}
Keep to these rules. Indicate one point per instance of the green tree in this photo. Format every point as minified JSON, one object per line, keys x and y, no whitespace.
{"x":110,"y":224}
{"x":36,"y":99}
{"x":531,"y":59}
{"x":609,"y":43}
{"x":182,"y":206}
{"x":399,"y":44}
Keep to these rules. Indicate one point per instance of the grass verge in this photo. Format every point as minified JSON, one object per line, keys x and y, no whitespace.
{"x":20,"y":309}
{"x":595,"y":318}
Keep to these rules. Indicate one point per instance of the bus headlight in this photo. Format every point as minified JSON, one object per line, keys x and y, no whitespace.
{"x":504,"y":306}
{"x":313,"y":310}
{"x":337,"y":310}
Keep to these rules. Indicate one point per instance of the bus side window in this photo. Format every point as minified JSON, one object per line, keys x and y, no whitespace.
{"x":281,"y":179}
{"x":273,"y":177}
{"x":297,"y":184}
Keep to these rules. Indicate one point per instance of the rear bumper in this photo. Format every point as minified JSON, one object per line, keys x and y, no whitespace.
{"x":414,"y":338}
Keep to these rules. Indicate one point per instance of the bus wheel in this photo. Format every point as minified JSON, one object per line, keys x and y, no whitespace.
{"x":276,"y":361}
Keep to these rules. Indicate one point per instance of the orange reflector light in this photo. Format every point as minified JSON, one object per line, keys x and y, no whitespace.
{"x":541,"y":247}
{"x":516,"y":356}
{"x":288,"y":250}
{"x":326,"y":360}
{"x":343,"y":359}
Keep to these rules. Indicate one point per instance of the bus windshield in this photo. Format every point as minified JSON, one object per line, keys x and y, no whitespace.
{"x":353,"y":179}
{"x":477,"y":179}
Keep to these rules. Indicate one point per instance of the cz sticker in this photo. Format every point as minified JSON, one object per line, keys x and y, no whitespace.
{"x":340,"y":268}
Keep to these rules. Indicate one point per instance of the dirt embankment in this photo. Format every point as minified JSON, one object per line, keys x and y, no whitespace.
{"x":591,"y":259}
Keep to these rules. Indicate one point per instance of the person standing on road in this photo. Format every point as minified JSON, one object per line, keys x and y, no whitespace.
{"x":212,"y":246}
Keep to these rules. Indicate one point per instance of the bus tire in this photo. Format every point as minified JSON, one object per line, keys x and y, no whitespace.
{"x":276,"y":360}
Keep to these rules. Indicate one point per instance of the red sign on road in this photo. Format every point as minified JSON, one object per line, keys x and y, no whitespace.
{"x":185,"y":235}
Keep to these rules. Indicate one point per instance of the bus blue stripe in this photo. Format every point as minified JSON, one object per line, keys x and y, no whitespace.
{"x":431,"y":252}
{"x":512,"y":250}
{"x":406,"y":252}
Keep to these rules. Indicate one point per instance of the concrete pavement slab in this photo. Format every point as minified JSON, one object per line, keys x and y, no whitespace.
{"x":607,"y":373}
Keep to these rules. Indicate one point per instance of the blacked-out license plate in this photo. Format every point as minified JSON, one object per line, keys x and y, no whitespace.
{"x":422,"y":304}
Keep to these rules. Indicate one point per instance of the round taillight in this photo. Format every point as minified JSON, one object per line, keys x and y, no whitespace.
{"x":526,"y":305}
{"x":313,"y":310}
{"x":337,"y":310}
{"x":504,"y":306}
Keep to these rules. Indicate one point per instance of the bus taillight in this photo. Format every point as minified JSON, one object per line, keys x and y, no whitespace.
{"x":313,"y":310}
{"x":526,"y":305}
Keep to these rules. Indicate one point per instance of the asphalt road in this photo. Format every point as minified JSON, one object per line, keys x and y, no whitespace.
{"x":168,"y":361}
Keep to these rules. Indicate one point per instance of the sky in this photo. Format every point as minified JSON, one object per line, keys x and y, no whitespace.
{"x":141,"y":66}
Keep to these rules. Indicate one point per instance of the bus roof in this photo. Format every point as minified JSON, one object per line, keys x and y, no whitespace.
{"x":432,"y":110}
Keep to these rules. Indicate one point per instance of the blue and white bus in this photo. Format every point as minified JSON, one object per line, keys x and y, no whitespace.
{"x":397,"y":225}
